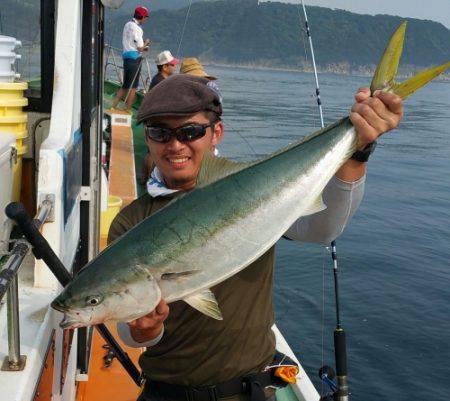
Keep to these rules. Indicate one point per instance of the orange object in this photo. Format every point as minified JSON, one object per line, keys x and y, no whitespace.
{"x":287,"y":373}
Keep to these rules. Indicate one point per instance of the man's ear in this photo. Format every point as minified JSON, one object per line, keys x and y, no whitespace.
{"x":217,"y":133}
{"x":147,"y":141}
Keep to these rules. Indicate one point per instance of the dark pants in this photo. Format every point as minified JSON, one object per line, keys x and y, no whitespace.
{"x":131,"y":72}
{"x":155,"y":396}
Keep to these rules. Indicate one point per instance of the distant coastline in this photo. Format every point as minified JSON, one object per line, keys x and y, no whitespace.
{"x":362,"y":71}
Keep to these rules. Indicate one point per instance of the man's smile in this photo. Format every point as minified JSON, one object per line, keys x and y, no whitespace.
{"x":177,"y":161}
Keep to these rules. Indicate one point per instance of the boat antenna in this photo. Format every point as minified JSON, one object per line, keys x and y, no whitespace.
{"x":340,"y":349}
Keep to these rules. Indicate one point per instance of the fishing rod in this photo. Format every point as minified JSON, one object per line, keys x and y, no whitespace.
{"x":340,"y":392}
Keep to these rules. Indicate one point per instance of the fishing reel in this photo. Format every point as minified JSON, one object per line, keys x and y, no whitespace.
{"x":327,"y":375}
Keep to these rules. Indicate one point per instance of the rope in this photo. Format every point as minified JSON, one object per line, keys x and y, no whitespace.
{"x":184,"y":27}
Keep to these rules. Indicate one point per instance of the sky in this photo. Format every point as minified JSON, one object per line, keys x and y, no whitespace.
{"x":437,"y":10}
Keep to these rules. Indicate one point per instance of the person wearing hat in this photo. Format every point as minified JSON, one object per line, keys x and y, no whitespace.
{"x":192,"y":66}
{"x":190,"y":356}
{"x":189,"y":66}
{"x":166,"y":64}
{"x":133,"y":46}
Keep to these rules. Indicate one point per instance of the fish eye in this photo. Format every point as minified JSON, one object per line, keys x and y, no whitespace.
{"x":93,"y":300}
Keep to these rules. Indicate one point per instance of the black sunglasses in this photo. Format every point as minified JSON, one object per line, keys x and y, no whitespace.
{"x":186,"y":133}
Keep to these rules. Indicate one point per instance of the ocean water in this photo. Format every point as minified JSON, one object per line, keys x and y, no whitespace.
{"x":394,"y":256}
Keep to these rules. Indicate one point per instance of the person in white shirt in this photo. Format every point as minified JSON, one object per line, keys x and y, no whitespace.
{"x":133,"y":46}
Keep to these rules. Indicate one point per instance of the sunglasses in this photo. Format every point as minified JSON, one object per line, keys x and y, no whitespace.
{"x":186,"y":133}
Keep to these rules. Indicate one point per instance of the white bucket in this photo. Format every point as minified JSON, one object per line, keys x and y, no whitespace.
{"x":8,"y":58}
{"x":8,"y":43}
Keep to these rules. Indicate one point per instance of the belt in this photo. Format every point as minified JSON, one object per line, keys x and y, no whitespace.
{"x":253,"y":385}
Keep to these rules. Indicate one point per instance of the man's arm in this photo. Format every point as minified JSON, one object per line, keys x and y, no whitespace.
{"x":371,"y":117}
{"x":144,"y":46}
{"x":342,"y":199}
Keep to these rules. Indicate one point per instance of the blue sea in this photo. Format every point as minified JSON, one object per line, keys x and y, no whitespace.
{"x":394,"y":256}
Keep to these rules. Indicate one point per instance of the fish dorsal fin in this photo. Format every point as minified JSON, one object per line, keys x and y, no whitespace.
{"x":316,"y":207}
{"x":206,"y":303}
{"x":214,"y":168}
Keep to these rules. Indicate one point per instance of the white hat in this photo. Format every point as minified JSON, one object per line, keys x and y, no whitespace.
{"x":166,"y":57}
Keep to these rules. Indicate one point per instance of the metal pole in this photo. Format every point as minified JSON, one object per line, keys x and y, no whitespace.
{"x":13,"y":329}
{"x":13,"y":325}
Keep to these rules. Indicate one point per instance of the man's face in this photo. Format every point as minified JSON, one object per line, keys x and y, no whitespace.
{"x":180,"y":162}
{"x":169,"y":69}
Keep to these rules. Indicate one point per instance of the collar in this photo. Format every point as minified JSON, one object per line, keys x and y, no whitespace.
{"x":156,"y":185}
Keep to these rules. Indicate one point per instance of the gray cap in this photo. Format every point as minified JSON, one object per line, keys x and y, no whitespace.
{"x":180,"y":95}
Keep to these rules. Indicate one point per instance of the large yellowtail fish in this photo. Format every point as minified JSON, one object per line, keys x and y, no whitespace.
{"x":235,"y":214}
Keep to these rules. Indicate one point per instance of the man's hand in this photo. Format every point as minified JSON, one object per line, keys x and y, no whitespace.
{"x":373,"y":116}
{"x":148,"y":327}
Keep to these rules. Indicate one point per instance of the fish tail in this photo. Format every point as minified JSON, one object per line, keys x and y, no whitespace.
{"x":388,"y":65}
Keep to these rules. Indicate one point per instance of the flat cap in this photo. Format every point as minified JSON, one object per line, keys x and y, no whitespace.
{"x":180,"y":95}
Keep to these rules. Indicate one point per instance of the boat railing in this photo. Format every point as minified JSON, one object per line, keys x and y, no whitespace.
{"x":113,"y":54}
{"x":42,"y":250}
{"x":9,"y":284}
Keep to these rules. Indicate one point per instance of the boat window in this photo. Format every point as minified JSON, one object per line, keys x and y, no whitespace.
{"x":33,"y":23}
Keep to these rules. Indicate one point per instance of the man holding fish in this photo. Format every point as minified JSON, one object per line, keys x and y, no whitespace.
{"x":205,"y":234}
{"x":182,"y":118}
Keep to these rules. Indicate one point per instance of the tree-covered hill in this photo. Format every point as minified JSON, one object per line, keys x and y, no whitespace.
{"x":241,"y":32}
{"x":271,"y":34}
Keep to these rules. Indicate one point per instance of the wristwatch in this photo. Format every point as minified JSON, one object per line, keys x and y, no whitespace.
{"x":363,"y":155}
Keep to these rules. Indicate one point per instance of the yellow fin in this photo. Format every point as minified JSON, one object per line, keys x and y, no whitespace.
{"x":409,"y":86}
{"x":206,"y":303}
{"x":388,"y":65}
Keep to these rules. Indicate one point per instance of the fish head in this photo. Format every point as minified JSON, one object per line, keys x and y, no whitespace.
{"x":91,"y":299}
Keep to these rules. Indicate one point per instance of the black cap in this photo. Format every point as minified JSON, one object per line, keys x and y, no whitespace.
{"x":180,"y":95}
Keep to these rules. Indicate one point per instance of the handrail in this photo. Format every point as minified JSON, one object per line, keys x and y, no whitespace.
{"x":21,"y":248}
{"x":9,"y":283}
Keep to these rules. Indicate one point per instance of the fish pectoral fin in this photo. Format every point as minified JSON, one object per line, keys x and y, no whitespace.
{"x":316,"y":207}
{"x":177,"y":275}
{"x":206,"y":303}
